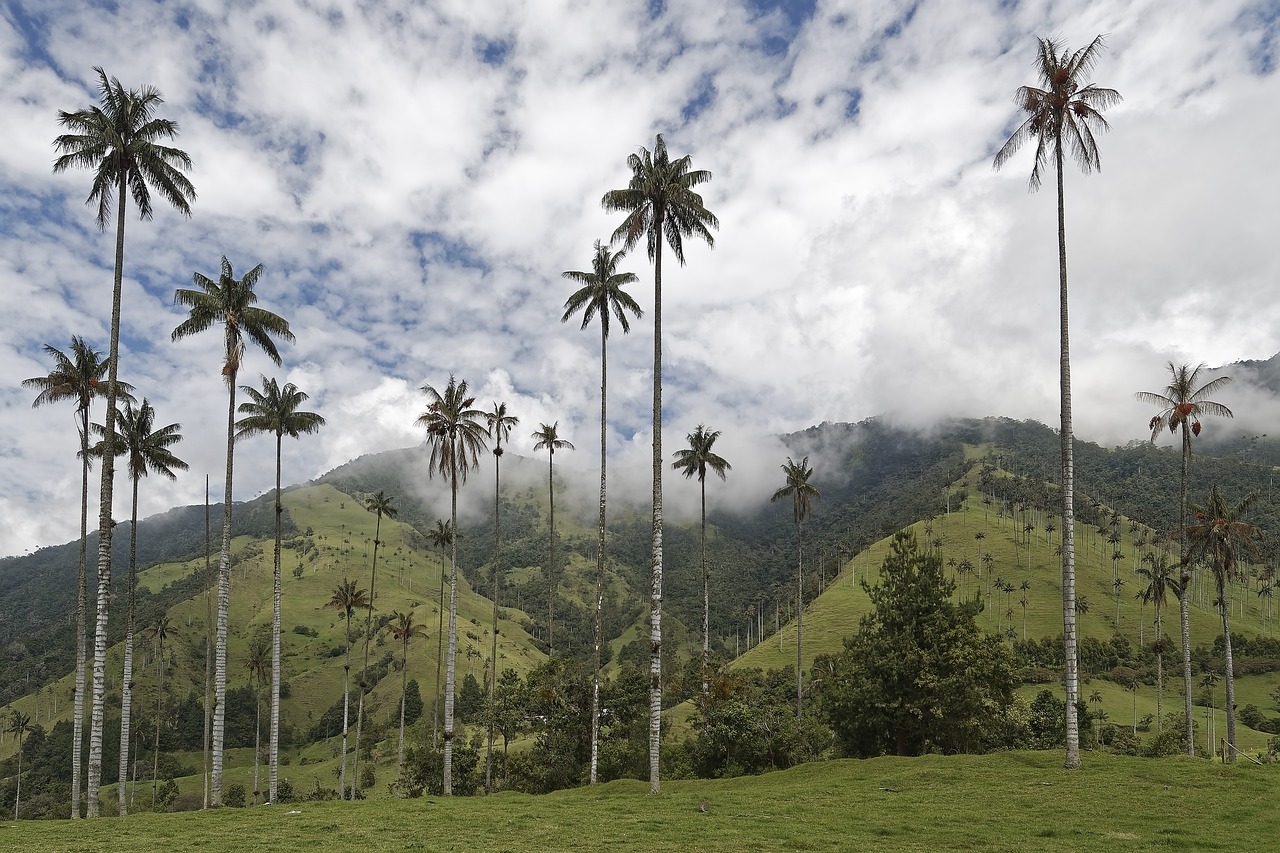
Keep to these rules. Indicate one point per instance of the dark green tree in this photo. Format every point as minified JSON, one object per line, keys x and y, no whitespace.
{"x":802,"y":494}
{"x":918,"y":676}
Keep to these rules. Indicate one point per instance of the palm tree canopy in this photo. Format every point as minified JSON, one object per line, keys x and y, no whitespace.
{"x":258,"y":658}
{"x":548,"y":438}
{"x":121,"y":141}
{"x":229,"y":302}
{"x":660,"y":202}
{"x":146,"y":445}
{"x":1182,"y":404}
{"x":698,"y":456}
{"x":1066,"y":112}
{"x":441,"y":536}
{"x":499,"y":425}
{"x":380,"y":504}
{"x":159,"y":631}
{"x":403,"y":628}
{"x":80,"y":375}
{"x":798,"y":488}
{"x":1221,"y":535}
{"x":1161,"y":579}
{"x":454,"y":430}
{"x":348,"y":598}
{"x":274,"y":410}
{"x":601,"y":291}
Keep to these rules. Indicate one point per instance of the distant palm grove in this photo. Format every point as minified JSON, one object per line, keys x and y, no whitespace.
{"x":991,"y":586}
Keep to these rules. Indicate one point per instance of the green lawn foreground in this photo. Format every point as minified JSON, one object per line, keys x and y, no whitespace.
{"x":1008,"y":801}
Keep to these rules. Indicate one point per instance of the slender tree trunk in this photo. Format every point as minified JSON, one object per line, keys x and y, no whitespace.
{"x":596,"y":634}
{"x":404,"y":695}
{"x":155,"y":758}
{"x":17,"y":791}
{"x":435,"y":702}
{"x":1072,"y":675}
{"x":224,"y":607}
{"x":257,"y":734}
{"x":208,"y":646}
{"x":551,"y":553}
{"x":1184,"y":589}
{"x":104,"y":521}
{"x":126,"y":683}
{"x":800,"y":623}
{"x":273,"y":753}
{"x":82,"y":596}
{"x":655,"y":593}
{"x":364,"y":670}
{"x":1159,"y":673}
{"x":1230,"y":705}
{"x":706,"y":593}
{"x":346,"y":703}
{"x":450,"y":660}
{"x":497,"y":582}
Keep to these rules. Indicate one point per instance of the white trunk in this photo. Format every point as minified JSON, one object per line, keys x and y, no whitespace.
{"x":655,"y":591}
{"x":273,"y":757}
{"x":450,"y":658}
{"x":224,"y":606}
{"x":126,"y":683}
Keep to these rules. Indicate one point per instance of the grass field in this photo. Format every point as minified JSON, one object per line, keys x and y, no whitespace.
{"x":1009,"y":801}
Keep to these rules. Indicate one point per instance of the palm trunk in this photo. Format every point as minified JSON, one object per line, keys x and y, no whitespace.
{"x":1229,"y":755}
{"x":551,"y":553}
{"x":706,"y":593}
{"x":273,"y":754}
{"x":497,"y":580}
{"x":1159,"y":673}
{"x":126,"y":684}
{"x":346,"y":701}
{"x":450,"y":660}
{"x":435,"y":702}
{"x":596,"y":637}
{"x":404,"y":695}
{"x":800,"y":623}
{"x":364,"y":670}
{"x":1072,"y":675}
{"x":257,"y":735}
{"x":82,"y":595}
{"x":208,"y":647}
{"x":17,"y":792}
{"x":1184,"y":590}
{"x":155,"y":759}
{"x":224,"y":606}
{"x":105,"y":523}
{"x":655,"y":593}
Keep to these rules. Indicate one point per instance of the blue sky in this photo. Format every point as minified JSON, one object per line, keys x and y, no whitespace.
{"x":415,"y":177}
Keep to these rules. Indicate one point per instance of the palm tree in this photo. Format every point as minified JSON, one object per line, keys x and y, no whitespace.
{"x":158,"y":633}
{"x":1221,"y":535}
{"x":121,"y":141}
{"x":274,"y":410}
{"x":660,"y":205}
{"x":456,"y":438}
{"x":404,"y":629}
{"x":1181,"y":405}
{"x":148,"y":450}
{"x":441,"y":536}
{"x":257,"y":660}
{"x":347,"y":599}
{"x":229,"y":303}
{"x":499,"y":426}
{"x":1065,"y":114}
{"x":19,"y":725}
{"x":548,"y":438}
{"x":601,"y":295}
{"x":802,"y":494}
{"x":694,"y":461}
{"x":79,"y":377}
{"x":379,"y":504}
{"x":1160,"y":579}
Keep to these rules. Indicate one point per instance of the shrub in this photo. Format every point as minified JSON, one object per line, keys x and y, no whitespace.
{"x":284,"y":792}
{"x":235,"y":796}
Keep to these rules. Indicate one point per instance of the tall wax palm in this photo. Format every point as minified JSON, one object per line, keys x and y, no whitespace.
{"x":147,"y":449}
{"x":802,"y":494}
{"x":158,"y":633}
{"x":695,"y":460}
{"x":274,"y":411}
{"x":1181,"y":405}
{"x":122,"y":142}
{"x":230,"y":303}
{"x":1063,"y":115}
{"x":601,"y":295}
{"x":347,"y":599}
{"x":498,"y":425}
{"x":661,"y":206}
{"x":404,"y":629}
{"x":19,"y":725}
{"x":441,"y":536}
{"x":456,"y":436}
{"x":381,"y":505}
{"x":548,"y":438}
{"x":257,"y":661}
{"x":1160,"y":579}
{"x":78,"y":376}
{"x":1221,"y":535}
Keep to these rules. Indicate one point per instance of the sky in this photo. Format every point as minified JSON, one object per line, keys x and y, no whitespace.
{"x":415,"y":177}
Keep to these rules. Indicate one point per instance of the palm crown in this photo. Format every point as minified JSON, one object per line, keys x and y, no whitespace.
{"x":79,"y":376}
{"x":698,"y":457}
{"x":274,"y":410}
{"x":146,"y":445}
{"x":601,"y":292}
{"x":548,"y":438}
{"x":660,"y":202}
{"x":454,"y":430}
{"x":1182,"y":404}
{"x":499,"y":425}
{"x":798,"y":488}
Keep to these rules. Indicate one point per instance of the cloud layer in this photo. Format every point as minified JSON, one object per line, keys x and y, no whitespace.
{"x":415,"y":177}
